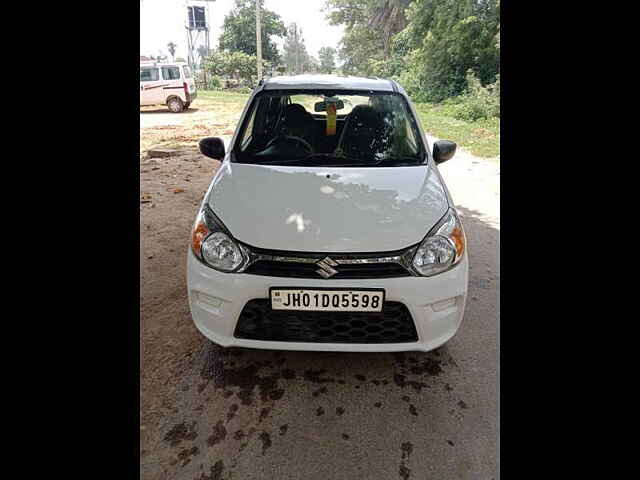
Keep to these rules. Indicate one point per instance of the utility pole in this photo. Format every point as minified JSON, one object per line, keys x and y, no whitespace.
{"x":258,"y":40}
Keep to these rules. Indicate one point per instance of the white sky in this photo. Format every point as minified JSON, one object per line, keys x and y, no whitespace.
{"x":163,"y":21}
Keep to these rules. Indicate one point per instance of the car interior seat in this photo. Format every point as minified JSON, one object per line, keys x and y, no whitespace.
{"x":297,"y":122}
{"x":365,"y":133}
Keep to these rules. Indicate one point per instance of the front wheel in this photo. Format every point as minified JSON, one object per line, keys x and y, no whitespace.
{"x":175,"y":105}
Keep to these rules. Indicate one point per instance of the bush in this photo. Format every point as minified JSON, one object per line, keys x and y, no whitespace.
{"x":214,"y":83}
{"x":477,"y":102}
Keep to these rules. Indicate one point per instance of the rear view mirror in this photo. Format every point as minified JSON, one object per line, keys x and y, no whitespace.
{"x":443,"y":150}
{"x":322,"y":106}
{"x":212,"y":147}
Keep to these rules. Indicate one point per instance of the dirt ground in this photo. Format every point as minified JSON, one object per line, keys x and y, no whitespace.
{"x":208,"y":413}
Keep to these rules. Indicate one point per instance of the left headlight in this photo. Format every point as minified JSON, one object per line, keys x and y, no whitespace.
{"x":212,"y":244}
{"x":442,"y":248}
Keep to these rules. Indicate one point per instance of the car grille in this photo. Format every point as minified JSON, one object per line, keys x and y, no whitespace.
{"x":258,"y":321}
{"x":277,"y":263}
{"x":308,"y":270}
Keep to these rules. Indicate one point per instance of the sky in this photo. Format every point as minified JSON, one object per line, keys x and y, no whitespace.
{"x":163,"y":21}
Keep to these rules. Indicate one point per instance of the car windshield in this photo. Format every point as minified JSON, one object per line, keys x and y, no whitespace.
{"x":318,"y":128}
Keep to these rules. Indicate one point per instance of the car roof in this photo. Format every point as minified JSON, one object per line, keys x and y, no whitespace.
{"x":152,"y":63}
{"x":336,"y":82}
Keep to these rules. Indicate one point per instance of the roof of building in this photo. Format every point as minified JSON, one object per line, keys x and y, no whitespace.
{"x":336,"y":82}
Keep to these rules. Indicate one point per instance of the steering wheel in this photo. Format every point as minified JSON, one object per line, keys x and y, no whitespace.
{"x":290,"y":141}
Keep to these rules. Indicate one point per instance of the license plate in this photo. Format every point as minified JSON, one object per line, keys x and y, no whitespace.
{"x":342,"y":300}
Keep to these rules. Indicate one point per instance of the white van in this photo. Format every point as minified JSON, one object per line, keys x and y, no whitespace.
{"x":169,"y":84}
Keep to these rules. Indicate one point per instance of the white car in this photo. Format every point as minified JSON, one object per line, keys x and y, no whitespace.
{"x":328,"y":225}
{"x":169,"y":84}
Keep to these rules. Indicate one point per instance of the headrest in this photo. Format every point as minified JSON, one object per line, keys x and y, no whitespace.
{"x":295,"y":113}
{"x":364,"y":116}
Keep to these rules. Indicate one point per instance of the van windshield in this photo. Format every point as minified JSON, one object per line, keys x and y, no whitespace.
{"x":340,"y":129}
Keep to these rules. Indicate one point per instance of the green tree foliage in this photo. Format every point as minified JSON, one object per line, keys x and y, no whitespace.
{"x":449,"y":37}
{"x":239,"y":30}
{"x":234,"y":65}
{"x":387,"y":17}
{"x":428,"y":45}
{"x":327,"y":59}
{"x":360,"y":45}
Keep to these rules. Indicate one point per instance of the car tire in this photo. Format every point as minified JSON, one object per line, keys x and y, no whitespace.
{"x":175,"y":105}
{"x":187,"y":105}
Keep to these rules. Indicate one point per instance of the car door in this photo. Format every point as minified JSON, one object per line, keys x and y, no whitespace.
{"x":151,"y":92}
{"x":172,"y":81}
{"x":188,"y":78}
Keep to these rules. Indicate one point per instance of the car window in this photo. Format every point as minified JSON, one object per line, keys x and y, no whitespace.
{"x":148,"y":74}
{"x":248,"y":131}
{"x":309,"y":101}
{"x":372,"y":129}
{"x":170,"y":73}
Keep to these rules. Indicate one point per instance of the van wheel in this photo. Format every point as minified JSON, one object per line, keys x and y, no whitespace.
{"x":187,"y":105}
{"x":175,"y":105}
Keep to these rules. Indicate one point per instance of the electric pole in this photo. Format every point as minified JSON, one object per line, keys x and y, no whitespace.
{"x":258,"y":40}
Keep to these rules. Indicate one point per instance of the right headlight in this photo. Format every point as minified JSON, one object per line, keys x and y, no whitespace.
{"x":442,"y":248}
{"x":213,"y":245}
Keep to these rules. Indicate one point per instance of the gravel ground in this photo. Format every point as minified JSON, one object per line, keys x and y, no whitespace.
{"x":208,"y":413}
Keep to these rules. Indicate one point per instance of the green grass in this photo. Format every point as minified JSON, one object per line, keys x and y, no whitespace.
{"x":481,"y":138}
{"x":223,"y":97}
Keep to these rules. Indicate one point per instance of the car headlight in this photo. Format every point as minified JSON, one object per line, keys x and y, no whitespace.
{"x":442,"y":248}
{"x":213,"y":245}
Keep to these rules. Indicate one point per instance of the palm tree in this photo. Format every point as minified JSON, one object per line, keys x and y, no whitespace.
{"x":172,"y":49}
{"x":388,"y":16}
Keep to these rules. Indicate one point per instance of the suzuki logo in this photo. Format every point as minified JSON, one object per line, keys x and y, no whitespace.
{"x":326,"y":269}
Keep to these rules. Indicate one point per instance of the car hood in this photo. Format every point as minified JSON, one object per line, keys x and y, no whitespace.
{"x":320,"y":209}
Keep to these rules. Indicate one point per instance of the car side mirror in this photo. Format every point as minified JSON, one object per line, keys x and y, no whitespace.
{"x":443,"y":150}
{"x":212,"y":147}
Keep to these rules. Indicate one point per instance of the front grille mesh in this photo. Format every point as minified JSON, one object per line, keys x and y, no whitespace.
{"x":308,"y":270}
{"x":258,"y":321}
{"x":279,"y":263}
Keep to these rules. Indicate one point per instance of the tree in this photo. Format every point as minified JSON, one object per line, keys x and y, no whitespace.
{"x":448,"y":38}
{"x":236,"y":65}
{"x":239,"y":30}
{"x":360,"y":45}
{"x":295,"y":52}
{"x":172,"y":49}
{"x":388,"y":17}
{"x":428,"y":45}
{"x":327,"y":59}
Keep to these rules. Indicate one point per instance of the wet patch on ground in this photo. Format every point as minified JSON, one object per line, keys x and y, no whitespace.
{"x":181,"y":432}
{"x":406,"y":449}
{"x":265,"y":438}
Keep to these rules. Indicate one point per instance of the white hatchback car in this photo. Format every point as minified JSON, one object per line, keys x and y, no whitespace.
{"x":328,"y":225}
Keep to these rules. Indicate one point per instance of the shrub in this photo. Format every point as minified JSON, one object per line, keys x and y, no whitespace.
{"x":214,"y":83}
{"x":477,"y":102}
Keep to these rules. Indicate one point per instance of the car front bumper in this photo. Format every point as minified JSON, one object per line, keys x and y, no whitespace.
{"x":435,"y":303}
